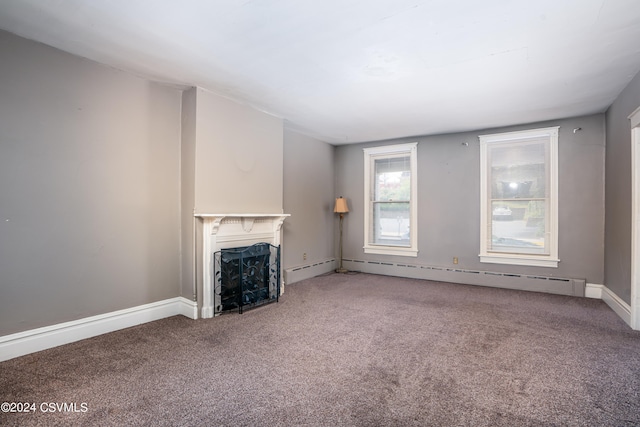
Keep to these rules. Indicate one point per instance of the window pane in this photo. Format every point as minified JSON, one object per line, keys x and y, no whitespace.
{"x":518,"y":171}
{"x":390,"y":191}
{"x":391,"y":224}
{"x":518,"y":226}
{"x":392,"y":179}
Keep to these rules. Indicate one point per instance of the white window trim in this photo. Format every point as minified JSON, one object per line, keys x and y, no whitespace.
{"x":369,"y":155}
{"x":550,"y":260}
{"x":634,"y":119}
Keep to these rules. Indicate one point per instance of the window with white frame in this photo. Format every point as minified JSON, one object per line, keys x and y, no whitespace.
{"x":519,"y":197}
{"x":390,"y":196}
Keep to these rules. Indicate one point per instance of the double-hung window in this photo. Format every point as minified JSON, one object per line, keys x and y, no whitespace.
{"x":519,"y":198}
{"x":390,"y":196}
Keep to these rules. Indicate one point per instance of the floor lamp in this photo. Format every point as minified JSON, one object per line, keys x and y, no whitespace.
{"x":341,"y":208}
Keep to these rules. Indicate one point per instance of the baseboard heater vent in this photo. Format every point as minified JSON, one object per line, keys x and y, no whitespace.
{"x":554,"y":285}
{"x":307,"y":271}
{"x":315,"y":264}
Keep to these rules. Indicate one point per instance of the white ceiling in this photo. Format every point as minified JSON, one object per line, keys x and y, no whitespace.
{"x":359,"y":70}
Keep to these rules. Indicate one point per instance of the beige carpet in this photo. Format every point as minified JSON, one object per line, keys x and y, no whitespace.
{"x":349,"y":350}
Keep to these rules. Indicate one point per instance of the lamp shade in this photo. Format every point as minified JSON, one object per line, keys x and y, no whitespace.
{"x":341,"y":205}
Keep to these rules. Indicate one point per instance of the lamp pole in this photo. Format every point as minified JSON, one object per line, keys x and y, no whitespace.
{"x":341,"y":269}
{"x":341,"y":208}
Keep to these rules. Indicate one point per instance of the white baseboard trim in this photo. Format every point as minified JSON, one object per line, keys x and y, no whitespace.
{"x":307,"y":271}
{"x":22,"y":343}
{"x":620,"y":307}
{"x":188,"y":308}
{"x":593,"y":290}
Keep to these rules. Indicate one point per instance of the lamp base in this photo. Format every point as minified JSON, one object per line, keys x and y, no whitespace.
{"x":341,"y":270}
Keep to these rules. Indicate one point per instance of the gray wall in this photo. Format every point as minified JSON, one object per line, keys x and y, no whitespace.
{"x":449,"y":200}
{"x":309,"y":183}
{"x":89,"y":188}
{"x":238,"y":157}
{"x":618,"y":190}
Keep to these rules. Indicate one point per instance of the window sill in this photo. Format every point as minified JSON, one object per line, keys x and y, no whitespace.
{"x":520,"y":260}
{"x":391,"y":250}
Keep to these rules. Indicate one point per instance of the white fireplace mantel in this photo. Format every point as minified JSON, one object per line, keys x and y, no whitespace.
{"x":222,"y":231}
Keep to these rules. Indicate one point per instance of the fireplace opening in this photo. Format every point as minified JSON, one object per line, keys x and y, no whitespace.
{"x":246,"y":277}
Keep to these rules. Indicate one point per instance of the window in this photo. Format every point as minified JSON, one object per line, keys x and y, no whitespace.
{"x":519,"y":205}
{"x":390,"y":196}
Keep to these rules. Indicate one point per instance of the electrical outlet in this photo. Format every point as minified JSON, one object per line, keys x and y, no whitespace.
{"x":455,"y":259}
{"x":304,"y":256}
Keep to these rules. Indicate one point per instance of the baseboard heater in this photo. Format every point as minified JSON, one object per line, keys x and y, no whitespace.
{"x":526,"y":282}
{"x":307,"y":271}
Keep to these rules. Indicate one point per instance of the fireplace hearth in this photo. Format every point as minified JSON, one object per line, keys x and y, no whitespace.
{"x":246,"y":277}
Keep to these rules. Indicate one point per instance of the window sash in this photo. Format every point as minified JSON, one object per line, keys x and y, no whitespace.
{"x":519,"y":198}
{"x":390,"y":229}
{"x":515,"y":175}
{"x":390,"y":217}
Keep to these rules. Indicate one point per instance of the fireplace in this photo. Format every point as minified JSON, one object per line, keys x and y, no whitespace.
{"x":229,"y":233}
{"x":246,"y":277}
